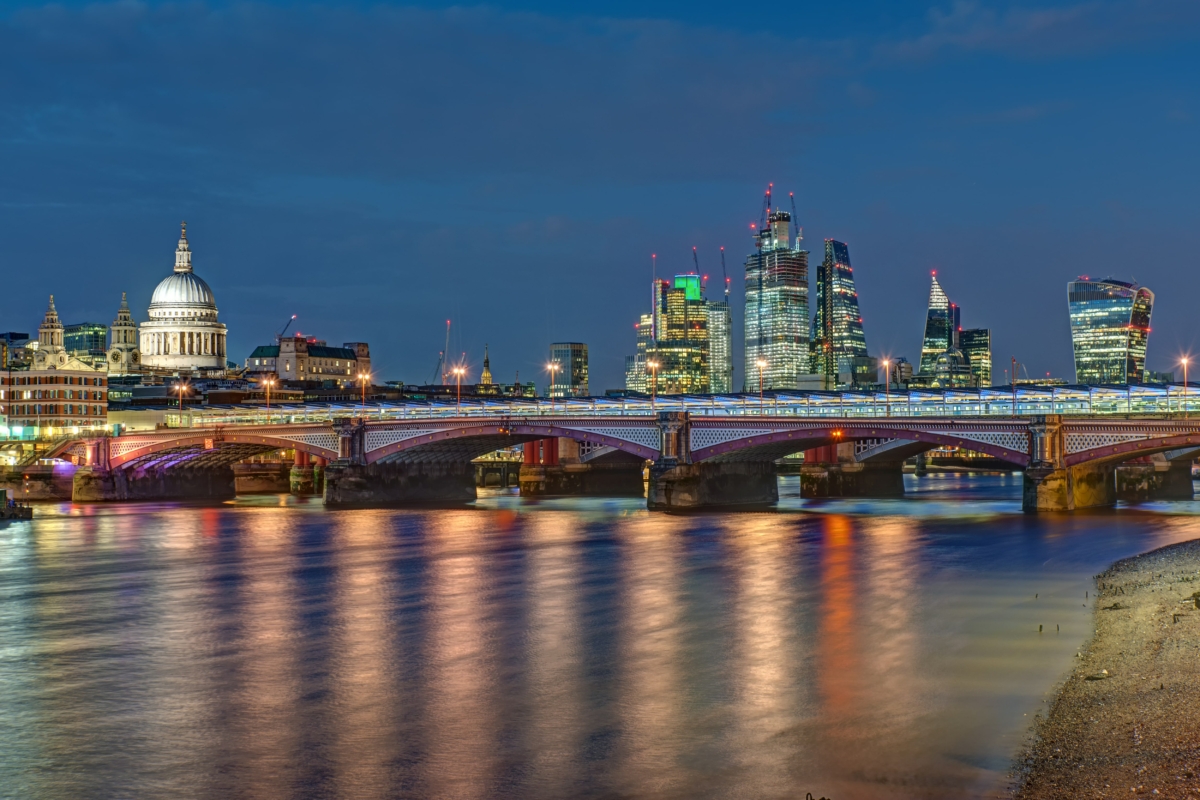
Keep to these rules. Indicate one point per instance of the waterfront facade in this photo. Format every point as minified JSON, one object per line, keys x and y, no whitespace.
{"x":838,"y":345}
{"x":569,"y":378}
{"x":183,"y":333}
{"x":776,"y":319}
{"x":1110,"y":326}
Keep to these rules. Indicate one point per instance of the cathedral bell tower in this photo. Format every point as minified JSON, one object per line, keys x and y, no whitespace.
{"x":50,"y":353}
{"x":124,"y":358}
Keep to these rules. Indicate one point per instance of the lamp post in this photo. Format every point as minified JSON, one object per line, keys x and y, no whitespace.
{"x":1184,"y":361}
{"x":653,"y":365}
{"x":553,"y":367}
{"x":458,"y":375}
{"x":887,"y":386}
{"x":268,"y":383}
{"x":181,"y":388}
{"x":761,"y":364}
{"x":363,"y":377}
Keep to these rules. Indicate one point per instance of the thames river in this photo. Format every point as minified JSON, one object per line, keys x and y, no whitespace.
{"x":558,"y":649}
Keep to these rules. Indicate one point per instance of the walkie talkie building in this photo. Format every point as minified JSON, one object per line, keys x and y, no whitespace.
{"x":1110,"y":325}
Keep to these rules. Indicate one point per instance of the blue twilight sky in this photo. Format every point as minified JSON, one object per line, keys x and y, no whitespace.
{"x":380,"y":168}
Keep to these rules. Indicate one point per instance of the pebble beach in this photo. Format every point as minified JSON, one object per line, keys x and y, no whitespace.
{"x":1126,"y":721}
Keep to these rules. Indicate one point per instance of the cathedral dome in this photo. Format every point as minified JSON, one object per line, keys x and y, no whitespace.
{"x":182,"y":289}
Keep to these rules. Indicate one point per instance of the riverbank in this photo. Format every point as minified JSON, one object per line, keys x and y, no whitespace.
{"x":1126,"y":722}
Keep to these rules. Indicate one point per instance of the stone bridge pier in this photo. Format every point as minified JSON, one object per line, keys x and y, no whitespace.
{"x":559,"y":467}
{"x":352,"y":482}
{"x":1051,"y":484}
{"x":835,"y":471}
{"x":678,"y":484}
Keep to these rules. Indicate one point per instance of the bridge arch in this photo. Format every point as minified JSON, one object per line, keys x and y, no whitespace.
{"x":192,"y":439}
{"x":463,"y":443}
{"x":772,"y":445}
{"x":1124,"y":451}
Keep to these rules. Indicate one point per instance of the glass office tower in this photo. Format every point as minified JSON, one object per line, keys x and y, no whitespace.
{"x":636,"y":375}
{"x":837,"y":329}
{"x":1110,"y":324}
{"x":777,"y":325}
{"x":682,"y":347}
{"x":940,"y":324}
{"x":720,"y":346}
{"x":570,"y":378}
{"x":976,"y":345}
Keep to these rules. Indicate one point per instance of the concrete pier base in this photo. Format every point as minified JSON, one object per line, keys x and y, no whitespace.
{"x":586,"y":480}
{"x":260,"y":477}
{"x":39,"y":482}
{"x":301,"y":480}
{"x":688,"y":487}
{"x":1069,"y":488}
{"x":403,"y":484}
{"x":852,"y":480}
{"x":1164,"y":480}
{"x":97,"y":485}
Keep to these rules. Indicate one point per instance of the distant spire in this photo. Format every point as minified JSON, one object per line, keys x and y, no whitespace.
{"x":485,"y":377}
{"x":183,"y":253}
{"x":124,"y":302}
{"x":52,"y":305}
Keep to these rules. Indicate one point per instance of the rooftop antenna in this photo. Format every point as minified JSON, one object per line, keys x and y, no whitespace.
{"x":724,"y":274}
{"x":766,"y":208}
{"x":654,"y":296}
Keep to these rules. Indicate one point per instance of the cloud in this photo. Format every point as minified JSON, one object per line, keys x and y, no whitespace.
{"x":1048,"y":32}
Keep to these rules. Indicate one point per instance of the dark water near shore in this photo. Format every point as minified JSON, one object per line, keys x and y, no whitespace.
{"x":568,"y":648}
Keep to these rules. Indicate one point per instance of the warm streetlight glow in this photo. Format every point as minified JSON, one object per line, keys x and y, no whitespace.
{"x":1184,"y":361}
{"x":363,"y":377}
{"x":458,"y":376}
{"x":887,"y":386}
{"x":653,"y":365}
{"x":269,"y":382}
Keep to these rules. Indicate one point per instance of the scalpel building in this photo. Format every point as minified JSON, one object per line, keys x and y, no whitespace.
{"x":1110,"y":324}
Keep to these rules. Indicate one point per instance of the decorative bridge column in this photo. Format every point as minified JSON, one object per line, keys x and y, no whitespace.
{"x":1051,"y":485}
{"x":677,"y":484}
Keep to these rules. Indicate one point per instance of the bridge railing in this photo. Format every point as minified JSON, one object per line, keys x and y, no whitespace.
{"x":1141,"y":401}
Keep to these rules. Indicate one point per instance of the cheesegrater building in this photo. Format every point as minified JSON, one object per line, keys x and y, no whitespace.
{"x":1110,"y":325}
{"x":776,"y":319}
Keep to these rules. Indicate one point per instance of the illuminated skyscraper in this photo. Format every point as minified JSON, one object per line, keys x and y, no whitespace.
{"x":720,"y":345}
{"x":682,"y":348}
{"x":837,"y":330}
{"x":777,"y":324}
{"x":1110,"y":323}
{"x":976,"y":345}
{"x":636,"y":374}
{"x":940,"y":325}
{"x":570,"y":378}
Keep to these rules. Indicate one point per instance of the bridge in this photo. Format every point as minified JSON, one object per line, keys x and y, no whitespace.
{"x":694,"y":460}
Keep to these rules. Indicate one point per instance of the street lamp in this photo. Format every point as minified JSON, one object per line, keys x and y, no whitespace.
{"x":458,"y":375}
{"x":887,"y":386}
{"x":181,"y":388}
{"x":1184,"y":361}
{"x":267,"y":383}
{"x":653,"y":365}
{"x":761,"y":364}
{"x":363,"y":377}
{"x":553,"y":367}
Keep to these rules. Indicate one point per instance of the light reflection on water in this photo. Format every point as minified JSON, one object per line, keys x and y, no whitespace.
{"x":563,"y":648}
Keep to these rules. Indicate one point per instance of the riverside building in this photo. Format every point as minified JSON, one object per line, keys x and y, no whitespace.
{"x":57,"y":391}
{"x":1110,"y":327}
{"x":307,"y":358}
{"x":776,"y":319}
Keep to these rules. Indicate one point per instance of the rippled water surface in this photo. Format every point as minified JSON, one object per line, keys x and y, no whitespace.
{"x":568,"y":648}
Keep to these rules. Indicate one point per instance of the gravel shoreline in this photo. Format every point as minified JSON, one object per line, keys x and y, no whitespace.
{"x":1126,"y":721}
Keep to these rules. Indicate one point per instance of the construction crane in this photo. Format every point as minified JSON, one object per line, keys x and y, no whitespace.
{"x":283,"y":330}
{"x":724,"y":274}
{"x":796,"y":220}
{"x":443,"y":368}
